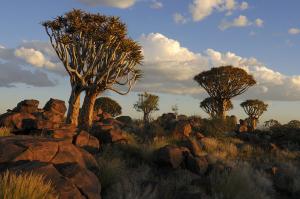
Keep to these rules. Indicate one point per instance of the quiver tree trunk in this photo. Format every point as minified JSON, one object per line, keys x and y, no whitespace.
{"x":253,"y":123}
{"x":222,"y":104}
{"x":74,"y":106}
{"x":146,"y":118}
{"x":87,"y":111}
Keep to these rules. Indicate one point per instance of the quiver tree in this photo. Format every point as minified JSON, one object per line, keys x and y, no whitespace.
{"x":147,"y":104}
{"x":115,"y":64}
{"x":97,"y":55}
{"x":71,"y":39}
{"x":107,"y":105}
{"x":223,"y":83}
{"x":254,"y":109}
{"x":211,"y":107}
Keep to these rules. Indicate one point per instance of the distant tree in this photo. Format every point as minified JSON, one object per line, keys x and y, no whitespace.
{"x":211,"y":107}
{"x":108,"y":105}
{"x":223,"y":83}
{"x":254,"y":109}
{"x":272,"y":123}
{"x":175,"y":109}
{"x":147,"y":104}
{"x":293,"y":124}
{"x":97,"y":55}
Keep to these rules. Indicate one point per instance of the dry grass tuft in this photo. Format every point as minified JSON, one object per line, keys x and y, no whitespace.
{"x":25,"y":186}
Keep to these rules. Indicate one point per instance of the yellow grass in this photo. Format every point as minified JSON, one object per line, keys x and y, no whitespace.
{"x":25,"y":186}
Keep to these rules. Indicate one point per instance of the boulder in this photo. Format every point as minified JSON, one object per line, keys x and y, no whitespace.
{"x":87,"y":142}
{"x":197,"y":165}
{"x":55,"y":106}
{"x":14,"y":120}
{"x":108,"y":134}
{"x":171,"y":156}
{"x":193,"y":146}
{"x":27,"y":106}
{"x":182,"y":129}
{"x":242,"y":127}
{"x":68,"y":167}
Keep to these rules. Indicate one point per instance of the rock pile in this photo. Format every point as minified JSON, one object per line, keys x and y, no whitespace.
{"x":69,"y":168}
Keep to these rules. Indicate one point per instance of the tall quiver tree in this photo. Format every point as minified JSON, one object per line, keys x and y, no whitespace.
{"x":211,"y":107}
{"x":254,"y":109}
{"x":223,"y":83}
{"x":147,"y":104}
{"x":72,"y":39}
{"x":115,"y":64}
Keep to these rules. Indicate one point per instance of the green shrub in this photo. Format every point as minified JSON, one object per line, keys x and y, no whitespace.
{"x":25,"y":186}
{"x":4,"y":131}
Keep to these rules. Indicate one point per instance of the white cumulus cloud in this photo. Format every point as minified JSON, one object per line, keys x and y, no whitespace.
{"x":200,"y":9}
{"x":170,"y":68}
{"x":111,"y":3}
{"x":33,"y":57}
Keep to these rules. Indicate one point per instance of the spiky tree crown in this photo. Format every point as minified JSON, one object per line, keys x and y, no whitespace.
{"x":95,"y":49}
{"x":225,"y":82}
{"x":254,"y":108}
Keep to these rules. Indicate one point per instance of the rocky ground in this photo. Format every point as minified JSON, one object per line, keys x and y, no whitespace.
{"x":173,"y":157}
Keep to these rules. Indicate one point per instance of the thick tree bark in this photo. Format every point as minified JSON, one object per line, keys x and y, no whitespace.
{"x":87,"y":113}
{"x":253,"y":123}
{"x":74,"y":106}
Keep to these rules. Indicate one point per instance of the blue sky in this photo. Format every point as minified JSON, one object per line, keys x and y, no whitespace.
{"x":207,"y":33}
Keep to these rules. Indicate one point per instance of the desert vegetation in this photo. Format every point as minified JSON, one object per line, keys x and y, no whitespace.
{"x":98,"y":151}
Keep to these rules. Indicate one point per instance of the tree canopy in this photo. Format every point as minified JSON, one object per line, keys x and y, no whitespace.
{"x":254,"y":108}
{"x":211,"y":107}
{"x":223,"y":83}
{"x":108,"y":105}
{"x":97,"y":54}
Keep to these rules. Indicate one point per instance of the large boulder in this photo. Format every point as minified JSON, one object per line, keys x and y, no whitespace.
{"x":194,"y":146}
{"x":14,"y":120}
{"x":27,"y":106}
{"x":68,"y":167}
{"x":108,"y":133}
{"x":55,"y":106}
{"x":87,"y":142}
{"x":171,"y":156}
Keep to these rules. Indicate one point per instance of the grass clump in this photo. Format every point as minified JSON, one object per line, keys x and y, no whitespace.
{"x":25,"y":186}
{"x":241,"y":182}
{"x":4,"y":131}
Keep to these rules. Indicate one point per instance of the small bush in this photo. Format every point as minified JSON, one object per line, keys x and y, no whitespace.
{"x":4,"y":131}
{"x":25,"y":186}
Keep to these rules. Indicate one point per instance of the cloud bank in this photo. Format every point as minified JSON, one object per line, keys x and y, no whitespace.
{"x":29,"y":63}
{"x":111,"y":3}
{"x":170,"y":68}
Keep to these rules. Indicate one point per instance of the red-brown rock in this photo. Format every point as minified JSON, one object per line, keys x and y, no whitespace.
{"x":66,"y":165}
{"x":87,"y":142}
{"x":171,"y":156}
